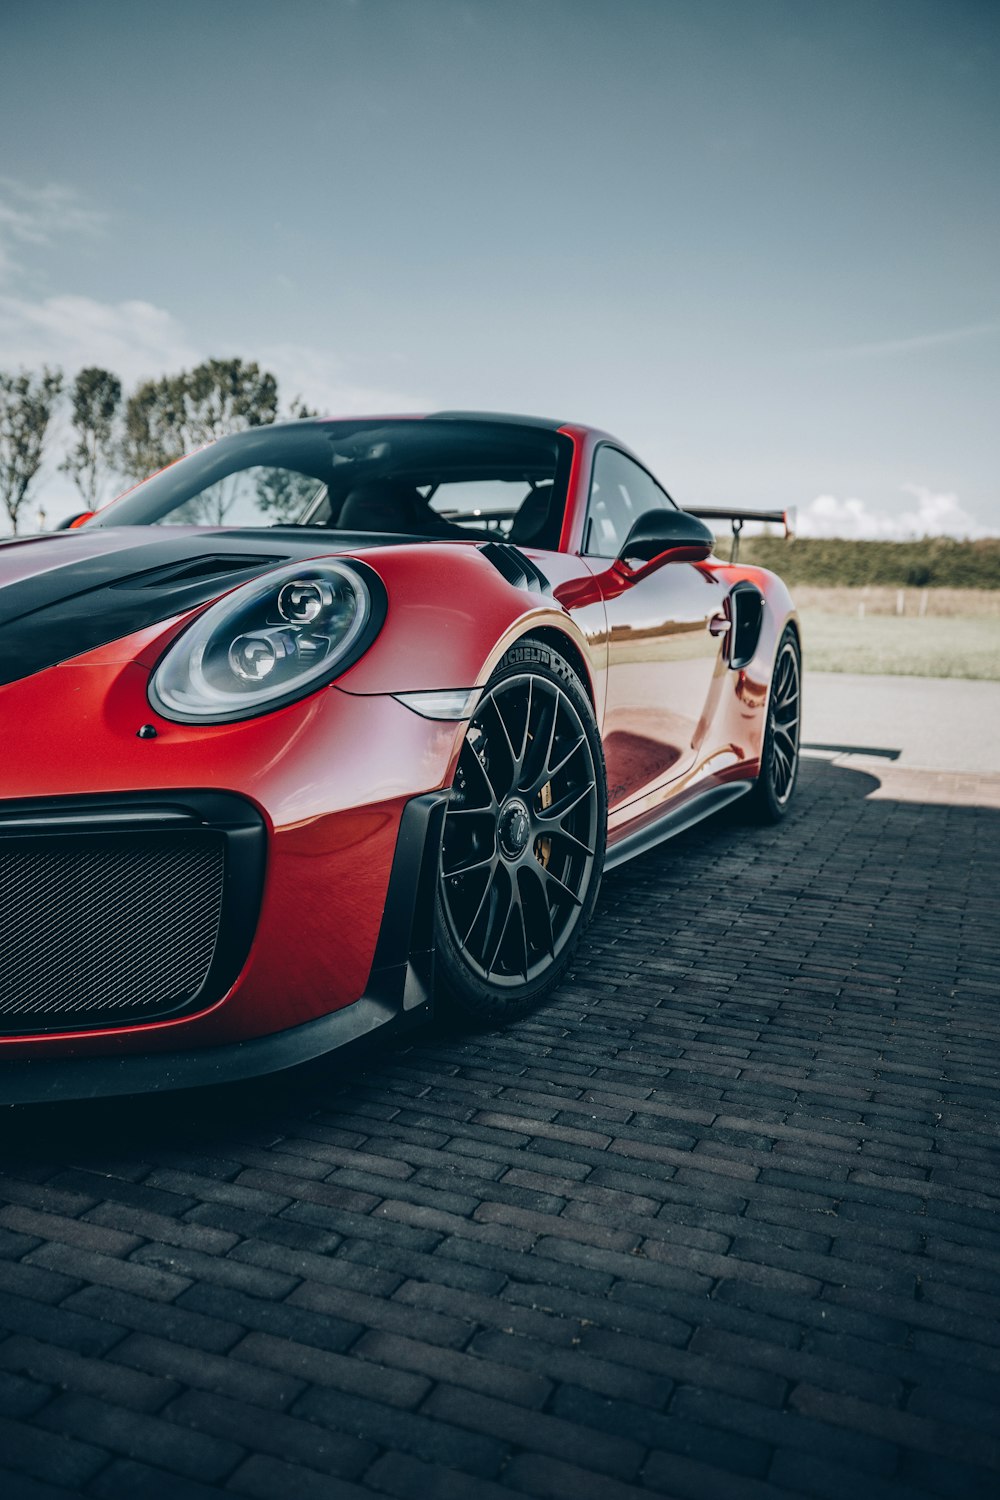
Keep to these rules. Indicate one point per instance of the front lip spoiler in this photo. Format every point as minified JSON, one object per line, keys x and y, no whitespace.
{"x":399,"y":988}
{"x":51,"y":1080}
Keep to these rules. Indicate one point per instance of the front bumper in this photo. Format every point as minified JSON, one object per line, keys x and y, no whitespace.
{"x":400,"y":985}
{"x":329,"y":780}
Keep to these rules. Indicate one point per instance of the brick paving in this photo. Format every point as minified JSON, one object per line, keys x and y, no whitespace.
{"x":719,"y":1222}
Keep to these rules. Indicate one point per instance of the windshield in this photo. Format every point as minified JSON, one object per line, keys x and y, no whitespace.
{"x":431,"y":477}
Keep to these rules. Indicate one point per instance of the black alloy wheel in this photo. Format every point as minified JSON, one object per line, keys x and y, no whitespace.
{"x":780,"y":755}
{"x":524,"y":835}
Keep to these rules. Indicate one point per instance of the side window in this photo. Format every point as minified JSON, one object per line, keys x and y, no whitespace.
{"x":620,"y":492}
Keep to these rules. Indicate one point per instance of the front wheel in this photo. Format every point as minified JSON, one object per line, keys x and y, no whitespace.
{"x":779,"y":760}
{"x":523,"y":844}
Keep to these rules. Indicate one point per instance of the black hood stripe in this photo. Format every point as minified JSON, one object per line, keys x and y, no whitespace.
{"x":143,"y":580}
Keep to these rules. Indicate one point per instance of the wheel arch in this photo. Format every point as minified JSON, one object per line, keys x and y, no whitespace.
{"x":763,"y":802}
{"x":792,"y":624}
{"x":789,"y":620}
{"x":559,"y":640}
{"x":492,"y":965}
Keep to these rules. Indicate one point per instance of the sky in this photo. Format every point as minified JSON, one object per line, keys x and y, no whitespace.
{"x":758,"y":240}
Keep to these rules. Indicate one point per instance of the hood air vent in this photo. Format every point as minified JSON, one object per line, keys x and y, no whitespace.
{"x":515,"y":567}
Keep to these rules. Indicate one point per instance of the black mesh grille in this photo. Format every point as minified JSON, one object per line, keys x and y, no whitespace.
{"x":106,"y":928}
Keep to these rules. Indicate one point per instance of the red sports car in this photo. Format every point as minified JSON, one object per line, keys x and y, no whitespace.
{"x":335,"y":719}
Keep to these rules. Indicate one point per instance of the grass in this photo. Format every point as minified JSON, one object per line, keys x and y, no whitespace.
{"x":913,"y":609}
{"x":939,"y":633}
{"x":898,"y":632}
{"x":836,"y":640}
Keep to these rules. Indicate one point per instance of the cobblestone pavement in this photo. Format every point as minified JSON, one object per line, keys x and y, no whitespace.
{"x":719,"y":1222}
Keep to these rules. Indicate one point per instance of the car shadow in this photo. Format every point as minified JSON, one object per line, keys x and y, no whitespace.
{"x":877,"y":750}
{"x":646,"y":908}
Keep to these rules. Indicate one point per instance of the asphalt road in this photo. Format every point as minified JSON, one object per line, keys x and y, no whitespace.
{"x":940,"y":724}
{"x":719,"y":1223}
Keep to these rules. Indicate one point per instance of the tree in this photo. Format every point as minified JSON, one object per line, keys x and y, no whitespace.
{"x":300,"y":411}
{"x":26,"y":405}
{"x":226,"y":395}
{"x":96,"y":397}
{"x":154,"y":433}
{"x":283,"y":493}
{"x":169,"y":417}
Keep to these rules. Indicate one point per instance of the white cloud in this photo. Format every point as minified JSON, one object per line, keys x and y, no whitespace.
{"x":34,"y":216}
{"x":138,"y":340}
{"x":940,"y":514}
{"x":134,"y":339}
{"x":935,"y":514}
{"x":914,"y":343}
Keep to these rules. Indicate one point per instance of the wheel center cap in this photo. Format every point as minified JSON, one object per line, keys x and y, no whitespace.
{"x":514,"y":828}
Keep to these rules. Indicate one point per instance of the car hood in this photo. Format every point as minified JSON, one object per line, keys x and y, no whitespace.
{"x":70,"y":592}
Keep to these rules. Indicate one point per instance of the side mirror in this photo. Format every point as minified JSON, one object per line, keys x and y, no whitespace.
{"x":666,"y":536}
{"x":72,"y":522}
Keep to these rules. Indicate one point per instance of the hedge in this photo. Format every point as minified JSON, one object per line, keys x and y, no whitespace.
{"x":934,"y":562}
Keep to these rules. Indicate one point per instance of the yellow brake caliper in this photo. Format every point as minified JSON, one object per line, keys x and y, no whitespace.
{"x":543,"y":848}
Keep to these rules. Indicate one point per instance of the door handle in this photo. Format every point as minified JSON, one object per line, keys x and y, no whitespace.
{"x":719,"y":625}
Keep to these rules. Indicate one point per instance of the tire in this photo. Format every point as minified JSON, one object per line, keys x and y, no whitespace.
{"x":518,"y":877}
{"x":771,"y":798}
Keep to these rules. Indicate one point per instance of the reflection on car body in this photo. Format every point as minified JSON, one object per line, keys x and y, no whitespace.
{"x":333,"y":721}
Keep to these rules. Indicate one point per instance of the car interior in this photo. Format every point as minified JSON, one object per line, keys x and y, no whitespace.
{"x":447,"y":479}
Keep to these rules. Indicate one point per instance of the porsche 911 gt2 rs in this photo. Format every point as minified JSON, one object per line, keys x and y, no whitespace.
{"x":333,"y":720}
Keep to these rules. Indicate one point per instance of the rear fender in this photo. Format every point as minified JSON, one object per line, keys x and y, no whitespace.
{"x":753,"y":679}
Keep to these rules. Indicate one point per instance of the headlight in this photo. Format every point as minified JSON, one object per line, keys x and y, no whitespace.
{"x":269,"y":642}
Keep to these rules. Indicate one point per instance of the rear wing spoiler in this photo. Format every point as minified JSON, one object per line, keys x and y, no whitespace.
{"x":737,"y":518}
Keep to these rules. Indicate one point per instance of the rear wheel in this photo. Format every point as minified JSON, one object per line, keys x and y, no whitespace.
{"x":523,"y":844}
{"x":779,"y":761}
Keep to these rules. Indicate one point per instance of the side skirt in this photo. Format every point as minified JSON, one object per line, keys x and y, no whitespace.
{"x":701,"y":805}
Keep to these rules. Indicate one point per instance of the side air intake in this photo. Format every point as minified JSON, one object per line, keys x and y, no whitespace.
{"x":747,"y":606}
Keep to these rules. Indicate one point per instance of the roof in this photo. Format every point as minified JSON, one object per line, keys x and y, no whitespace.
{"x":496,"y":416}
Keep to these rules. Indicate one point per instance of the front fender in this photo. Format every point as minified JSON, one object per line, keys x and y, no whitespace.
{"x":451,"y":617}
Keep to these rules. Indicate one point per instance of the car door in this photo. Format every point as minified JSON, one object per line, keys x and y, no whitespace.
{"x":662,"y":656}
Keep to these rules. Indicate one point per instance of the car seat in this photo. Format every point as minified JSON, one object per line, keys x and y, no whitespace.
{"x":394,"y":506}
{"x":531,"y":524}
